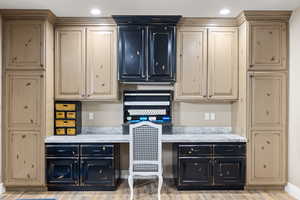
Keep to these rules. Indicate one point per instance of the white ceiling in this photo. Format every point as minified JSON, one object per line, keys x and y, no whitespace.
{"x":187,"y":8}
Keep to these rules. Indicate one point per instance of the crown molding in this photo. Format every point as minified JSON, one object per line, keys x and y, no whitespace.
{"x":28,"y":14}
{"x":247,"y":15}
{"x":264,"y":15}
{"x":73,"y":21}
{"x":207,"y":22}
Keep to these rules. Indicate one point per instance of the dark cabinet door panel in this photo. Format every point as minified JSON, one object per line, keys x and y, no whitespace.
{"x":96,"y":150}
{"x":62,"y":171}
{"x":161,"y":53}
{"x":195,"y":171}
{"x":229,"y":171}
{"x":131,"y":53}
{"x":97,"y":171}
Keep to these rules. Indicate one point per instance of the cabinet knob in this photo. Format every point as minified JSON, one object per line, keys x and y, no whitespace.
{"x":163,"y":67}
{"x":82,"y":95}
{"x":251,"y":66}
{"x":137,"y":53}
{"x":210,"y":95}
{"x":42,"y":65}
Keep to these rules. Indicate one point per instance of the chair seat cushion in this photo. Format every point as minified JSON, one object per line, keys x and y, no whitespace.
{"x":145,"y":167}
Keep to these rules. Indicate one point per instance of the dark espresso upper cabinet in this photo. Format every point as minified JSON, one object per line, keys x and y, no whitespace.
{"x":131,"y":53}
{"x":147,"y":48}
{"x":162,"y":53}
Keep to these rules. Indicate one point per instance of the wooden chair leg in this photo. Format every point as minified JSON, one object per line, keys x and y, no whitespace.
{"x":130,"y":183}
{"x":160,"y":183}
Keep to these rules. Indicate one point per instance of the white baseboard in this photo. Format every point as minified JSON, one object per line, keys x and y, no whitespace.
{"x":2,"y":188}
{"x":293,"y":190}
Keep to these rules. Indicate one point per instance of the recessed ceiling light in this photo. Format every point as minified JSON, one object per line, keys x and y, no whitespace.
{"x":95,"y":11}
{"x":224,"y":11}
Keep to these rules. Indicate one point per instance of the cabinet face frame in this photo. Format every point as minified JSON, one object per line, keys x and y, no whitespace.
{"x":8,"y":58}
{"x":81,"y":93}
{"x":282,"y":63}
{"x":110,"y":93}
{"x":213,"y":47}
{"x":202,"y":93}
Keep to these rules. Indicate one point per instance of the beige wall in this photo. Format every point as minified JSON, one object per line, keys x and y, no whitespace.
{"x":184,"y":114}
{"x":294,"y":101}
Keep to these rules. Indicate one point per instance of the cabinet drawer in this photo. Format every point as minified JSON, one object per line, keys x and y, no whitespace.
{"x":230,"y":150}
{"x":63,"y":107}
{"x":60,"y":131}
{"x":71,"y":131}
{"x":96,"y":150}
{"x":62,"y":150}
{"x":195,"y":150}
{"x":60,"y":115}
{"x":71,"y":115}
{"x":65,"y":123}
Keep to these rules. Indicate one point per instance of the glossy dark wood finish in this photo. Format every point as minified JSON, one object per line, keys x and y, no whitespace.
{"x":91,"y":167}
{"x":147,"y":48}
{"x":131,"y":53}
{"x":209,"y":165}
{"x":162,"y":48}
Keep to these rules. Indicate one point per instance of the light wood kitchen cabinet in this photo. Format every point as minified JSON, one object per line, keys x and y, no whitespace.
{"x":101,"y":63}
{"x":28,"y":96}
{"x":70,"y":63}
{"x":207,"y":72}
{"x":268,"y":46}
{"x":223,"y":63}
{"x":24,"y":106}
{"x":85,"y":63}
{"x":25,"y":158}
{"x":267,"y":164}
{"x":191,"y":64}
{"x":267,"y":93}
{"x":24,"y":44}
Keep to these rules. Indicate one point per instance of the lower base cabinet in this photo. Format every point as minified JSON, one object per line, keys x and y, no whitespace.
{"x":209,"y":166}
{"x":82,"y":167}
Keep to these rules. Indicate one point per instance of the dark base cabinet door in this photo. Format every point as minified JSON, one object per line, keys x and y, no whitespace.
{"x":62,"y":171}
{"x":97,"y":171}
{"x":229,"y":171}
{"x":195,"y":171}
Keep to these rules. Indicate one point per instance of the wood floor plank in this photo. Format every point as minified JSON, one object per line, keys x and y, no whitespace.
{"x":148,"y":191}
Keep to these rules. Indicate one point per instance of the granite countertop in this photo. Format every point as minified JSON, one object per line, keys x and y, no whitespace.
{"x":180,"y":134}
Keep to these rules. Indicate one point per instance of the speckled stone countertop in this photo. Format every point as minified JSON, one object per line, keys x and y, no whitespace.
{"x":180,"y":134}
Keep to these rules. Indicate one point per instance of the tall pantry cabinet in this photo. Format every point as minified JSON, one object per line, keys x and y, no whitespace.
{"x":28,"y":94}
{"x":261,"y":112}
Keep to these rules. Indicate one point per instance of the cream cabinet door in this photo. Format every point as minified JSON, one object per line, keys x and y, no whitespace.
{"x":24,"y":159}
{"x":70,"y":63}
{"x":101,"y":63}
{"x":24,"y":44}
{"x":268,"y":46}
{"x":24,"y":99}
{"x":267,"y":158}
{"x":267,"y":100}
{"x":191,"y":83}
{"x":223,"y":63}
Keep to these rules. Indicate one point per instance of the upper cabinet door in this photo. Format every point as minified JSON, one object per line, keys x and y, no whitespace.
{"x":101,"y":63}
{"x":24,"y":48}
{"x":70,"y":63}
{"x":191,"y":64}
{"x":223,"y":63}
{"x":24,"y":91}
{"x":131,"y":53}
{"x":162,"y":53}
{"x":268,"y":46}
{"x":267,"y":100}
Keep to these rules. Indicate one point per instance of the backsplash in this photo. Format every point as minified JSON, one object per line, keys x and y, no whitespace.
{"x":184,"y":114}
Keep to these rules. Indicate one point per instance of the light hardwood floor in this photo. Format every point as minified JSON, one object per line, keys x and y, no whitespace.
{"x":146,"y":191}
